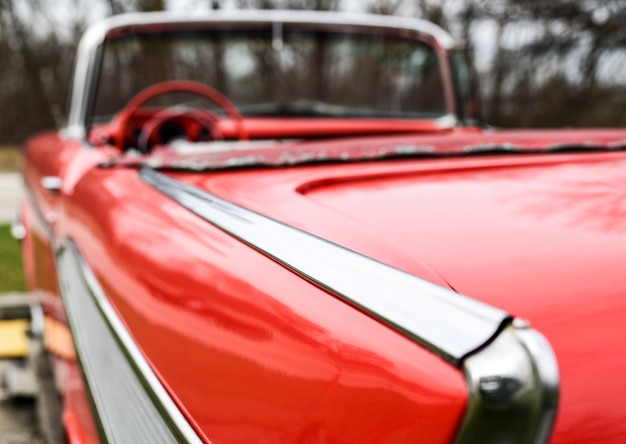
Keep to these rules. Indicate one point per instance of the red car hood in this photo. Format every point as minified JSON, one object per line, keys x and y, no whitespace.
{"x":540,"y":236}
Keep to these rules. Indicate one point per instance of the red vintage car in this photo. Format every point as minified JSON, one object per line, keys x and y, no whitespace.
{"x":295,"y":227}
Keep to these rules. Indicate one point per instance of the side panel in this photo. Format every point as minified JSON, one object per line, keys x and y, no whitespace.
{"x":43,"y":157}
{"x":50,"y":156}
{"x":248,"y":350}
{"x":128,"y":410}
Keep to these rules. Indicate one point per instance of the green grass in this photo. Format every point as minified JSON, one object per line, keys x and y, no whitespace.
{"x":11,"y":276}
{"x":8,"y":158}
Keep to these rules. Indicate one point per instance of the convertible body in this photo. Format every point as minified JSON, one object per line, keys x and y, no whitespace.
{"x":324,"y":278}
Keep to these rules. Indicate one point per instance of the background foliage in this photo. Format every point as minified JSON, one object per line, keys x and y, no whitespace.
{"x":11,"y":276}
{"x":541,"y":63}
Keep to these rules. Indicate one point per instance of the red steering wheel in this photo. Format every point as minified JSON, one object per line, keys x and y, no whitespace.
{"x":119,"y":124}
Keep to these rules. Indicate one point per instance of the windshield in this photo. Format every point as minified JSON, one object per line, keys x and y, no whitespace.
{"x":279,"y":72}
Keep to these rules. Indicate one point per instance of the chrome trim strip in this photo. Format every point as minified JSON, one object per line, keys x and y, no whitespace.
{"x":448,"y":324}
{"x":89,"y":54}
{"x":513,"y":388}
{"x":36,"y":318}
{"x":132,"y":404}
{"x":18,"y":230}
{"x":31,"y":199}
{"x":52,"y":184}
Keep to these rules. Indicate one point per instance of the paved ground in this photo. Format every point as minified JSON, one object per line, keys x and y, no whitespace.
{"x":17,"y":418}
{"x":11,"y":192}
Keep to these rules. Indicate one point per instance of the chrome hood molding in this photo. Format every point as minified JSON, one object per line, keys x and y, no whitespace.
{"x":450,"y":325}
{"x":510,"y":369}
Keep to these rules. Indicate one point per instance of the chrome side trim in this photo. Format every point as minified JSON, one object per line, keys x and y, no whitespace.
{"x":18,"y":230}
{"x":88,"y":54}
{"x":130,"y":402}
{"x":513,"y":389}
{"x":39,"y":214}
{"x":448,"y":324}
{"x":52,"y":184}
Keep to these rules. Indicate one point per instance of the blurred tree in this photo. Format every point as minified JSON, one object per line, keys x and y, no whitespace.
{"x":122,"y":6}
{"x":545,"y":47}
{"x":116,"y":7}
{"x":386,"y":7}
{"x":30,"y":72}
{"x":316,"y":5}
{"x":150,"y":5}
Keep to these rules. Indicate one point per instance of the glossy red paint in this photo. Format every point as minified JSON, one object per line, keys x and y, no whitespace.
{"x":275,"y":359}
{"x":251,"y":360}
{"x":77,"y":416}
{"x":540,"y":236}
{"x":26,"y":247}
{"x":48,"y":155}
{"x":73,"y":428}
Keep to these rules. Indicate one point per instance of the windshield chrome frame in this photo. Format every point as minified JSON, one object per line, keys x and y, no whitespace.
{"x":89,"y":54}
